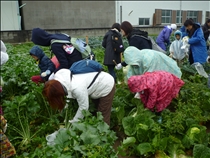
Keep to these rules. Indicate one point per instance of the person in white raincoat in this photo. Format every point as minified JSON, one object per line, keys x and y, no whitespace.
{"x":175,"y":48}
{"x":148,"y":60}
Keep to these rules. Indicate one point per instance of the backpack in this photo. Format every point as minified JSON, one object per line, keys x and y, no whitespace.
{"x":152,"y":42}
{"x":86,"y":66}
{"x":117,"y":42}
{"x":78,"y":44}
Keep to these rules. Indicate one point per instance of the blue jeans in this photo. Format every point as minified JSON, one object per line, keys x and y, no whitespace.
{"x":112,"y":72}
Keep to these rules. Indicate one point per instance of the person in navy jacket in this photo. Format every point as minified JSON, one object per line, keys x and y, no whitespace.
{"x":46,"y":66}
{"x":66,"y":59}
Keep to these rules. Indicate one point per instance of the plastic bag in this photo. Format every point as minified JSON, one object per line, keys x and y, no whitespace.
{"x":200,"y":69}
{"x":51,"y":137}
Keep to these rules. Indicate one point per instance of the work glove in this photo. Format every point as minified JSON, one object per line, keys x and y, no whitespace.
{"x":185,"y":39}
{"x":5,"y":128}
{"x":171,"y":55}
{"x":118,"y":66}
{"x":44,"y":74}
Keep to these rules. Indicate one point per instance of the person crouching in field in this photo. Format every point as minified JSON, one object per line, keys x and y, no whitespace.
{"x":155,"y":89}
{"x":148,"y":60}
{"x":79,"y":87}
{"x":176,"y":52}
{"x":46,"y":66}
{"x":6,"y":148}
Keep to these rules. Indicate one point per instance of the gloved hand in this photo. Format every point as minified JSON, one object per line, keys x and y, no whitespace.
{"x":44,"y":74}
{"x":171,"y":55}
{"x":118,"y":66}
{"x":208,"y":59}
{"x":5,"y":128}
{"x":185,"y":39}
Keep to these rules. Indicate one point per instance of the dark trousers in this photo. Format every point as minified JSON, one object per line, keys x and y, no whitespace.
{"x":112,"y":72}
{"x":104,"y":105}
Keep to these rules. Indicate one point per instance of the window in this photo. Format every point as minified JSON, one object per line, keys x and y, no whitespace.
{"x":143,"y":21}
{"x":193,"y":15}
{"x":178,"y":17}
{"x":166,"y":16}
{"x":207,"y":15}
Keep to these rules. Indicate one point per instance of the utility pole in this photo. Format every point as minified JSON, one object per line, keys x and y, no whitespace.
{"x":180,"y":11}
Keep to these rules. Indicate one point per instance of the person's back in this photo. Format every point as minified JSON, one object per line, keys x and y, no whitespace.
{"x":66,"y":59}
{"x":164,"y":36}
{"x":148,"y":60}
{"x":139,"y":39}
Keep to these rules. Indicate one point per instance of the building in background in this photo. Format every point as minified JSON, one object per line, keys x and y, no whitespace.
{"x":56,"y":15}
{"x":10,"y":16}
{"x":158,"y":13}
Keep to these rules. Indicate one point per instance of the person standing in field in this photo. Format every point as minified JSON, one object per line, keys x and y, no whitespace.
{"x":163,"y":38}
{"x":176,"y":52}
{"x":111,"y":42}
{"x":198,"y":50}
{"x":206,"y":31}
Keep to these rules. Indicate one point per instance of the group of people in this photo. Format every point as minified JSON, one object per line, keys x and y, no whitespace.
{"x":154,"y":76}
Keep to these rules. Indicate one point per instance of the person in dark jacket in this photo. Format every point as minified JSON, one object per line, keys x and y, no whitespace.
{"x":111,"y":57}
{"x":66,"y":59}
{"x":197,"y":51}
{"x":46,"y":66}
{"x":206,"y":30}
{"x":135,"y":37}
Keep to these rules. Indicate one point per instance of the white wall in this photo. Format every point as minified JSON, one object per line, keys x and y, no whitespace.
{"x":10,"y":18}
{"x":145,"y":9}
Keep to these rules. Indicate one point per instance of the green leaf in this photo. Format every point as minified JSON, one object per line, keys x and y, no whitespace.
{"x":201,"y":151}
{"x":129,"y":125}
{"x":129,"y":141}
{"x":144,"y":148}
{"x":89,"y":138}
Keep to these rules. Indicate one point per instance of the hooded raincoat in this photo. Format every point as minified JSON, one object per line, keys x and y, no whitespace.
{"x":156,"y":89}
{"x":44,"y":62}
{"x":147,"y":60}
{"x":176,"y":45}
{"x":43,"y":38}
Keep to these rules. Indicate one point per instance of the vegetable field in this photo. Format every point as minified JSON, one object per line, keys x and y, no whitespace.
{"x":135,"y":131}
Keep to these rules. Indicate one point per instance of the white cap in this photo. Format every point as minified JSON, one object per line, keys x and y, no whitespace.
{"x":173,"y":26}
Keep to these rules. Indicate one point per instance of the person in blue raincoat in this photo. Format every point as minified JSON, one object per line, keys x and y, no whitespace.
{"x":148,"y":60}
{"x":198,"y":50}
{"x":163,"y":38}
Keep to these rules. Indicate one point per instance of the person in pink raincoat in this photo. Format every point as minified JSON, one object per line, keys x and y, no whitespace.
{"x":156,"y":89}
